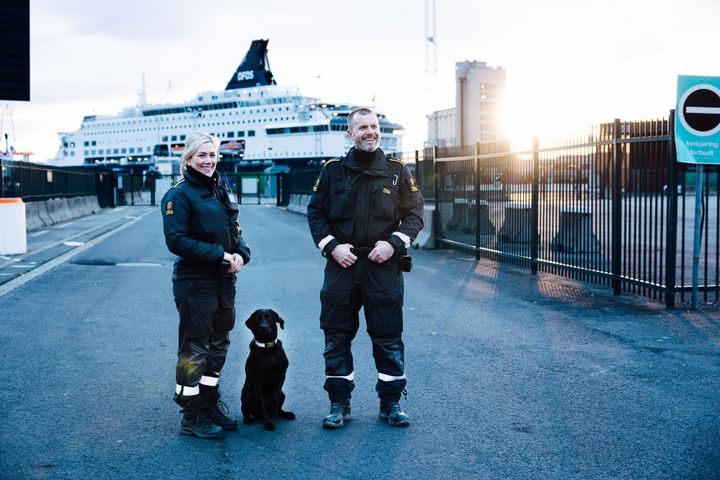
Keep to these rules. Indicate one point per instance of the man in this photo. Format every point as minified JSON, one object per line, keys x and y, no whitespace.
{"x":364,"y":213}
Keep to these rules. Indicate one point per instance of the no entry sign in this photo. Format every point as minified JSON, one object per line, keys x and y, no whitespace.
{"x":697,"y":120}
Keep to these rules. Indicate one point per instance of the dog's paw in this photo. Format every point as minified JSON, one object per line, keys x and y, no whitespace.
{"x":269,"y":426}
{"x":247,"y":420}
{"x":286,"y":415}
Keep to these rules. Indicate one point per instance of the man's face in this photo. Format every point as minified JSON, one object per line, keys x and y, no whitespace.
{"x":365,"y":132}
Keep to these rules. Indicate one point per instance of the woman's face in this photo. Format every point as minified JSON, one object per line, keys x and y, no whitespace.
{"x":205,"y":159}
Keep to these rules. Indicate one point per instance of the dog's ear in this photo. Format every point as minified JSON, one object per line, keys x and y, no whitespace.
{"x":252,"y":321}
{"x":279,"y":320}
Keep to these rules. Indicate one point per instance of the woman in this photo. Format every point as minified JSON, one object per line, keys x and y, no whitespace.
{"x":201,"y":227}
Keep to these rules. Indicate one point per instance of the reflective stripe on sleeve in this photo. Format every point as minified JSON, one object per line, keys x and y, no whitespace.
{"x":325,"y":241}
{"x":404,"y":238}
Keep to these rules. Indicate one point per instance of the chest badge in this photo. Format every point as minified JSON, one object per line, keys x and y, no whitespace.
{"x":386,"y":191}
{"x":169,"y":208}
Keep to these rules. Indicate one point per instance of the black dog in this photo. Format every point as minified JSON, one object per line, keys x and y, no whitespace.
{"x":262,"y":396}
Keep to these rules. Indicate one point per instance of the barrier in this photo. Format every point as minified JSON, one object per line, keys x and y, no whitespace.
{"x":426,"y":237}
{"x":463,"y":216}
{"x":298,"y":203}
{"x":56,"y":210}
{"x":13,"y":234}
{"x":516,"y":227}
{"x":575,"y":232}
{"x":32,"y":217}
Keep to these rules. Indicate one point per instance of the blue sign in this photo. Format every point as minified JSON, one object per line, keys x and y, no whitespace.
{"x":697,"y":120}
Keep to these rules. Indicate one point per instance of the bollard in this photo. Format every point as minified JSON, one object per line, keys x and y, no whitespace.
{"x":575,"y":232}
{"x":517,"y":225}
{"x":13,"y":234}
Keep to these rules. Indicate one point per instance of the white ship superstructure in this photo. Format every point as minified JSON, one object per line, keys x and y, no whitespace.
{"x":258,"y":122}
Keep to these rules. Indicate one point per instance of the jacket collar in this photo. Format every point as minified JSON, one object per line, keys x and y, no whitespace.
{"x":201,"y":179}
{"x":378,"y":166}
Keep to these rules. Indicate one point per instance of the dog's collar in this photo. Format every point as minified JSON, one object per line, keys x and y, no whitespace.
{"x":265,"y":345}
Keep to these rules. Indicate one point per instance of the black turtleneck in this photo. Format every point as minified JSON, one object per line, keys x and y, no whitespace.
{"x":364,"y":159}
{"x":209,"y":182}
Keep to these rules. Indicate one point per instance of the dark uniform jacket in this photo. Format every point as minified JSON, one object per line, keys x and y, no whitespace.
{"x":360,"y":203}
{"x":200,"y":225}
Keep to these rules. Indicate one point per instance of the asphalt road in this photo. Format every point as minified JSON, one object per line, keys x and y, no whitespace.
{"x":509,"y":375}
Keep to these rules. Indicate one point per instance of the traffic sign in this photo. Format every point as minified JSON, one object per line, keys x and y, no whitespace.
{"x":697,"y":120}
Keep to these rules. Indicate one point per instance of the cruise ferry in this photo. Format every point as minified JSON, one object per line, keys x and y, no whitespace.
{"x":259,"y":123}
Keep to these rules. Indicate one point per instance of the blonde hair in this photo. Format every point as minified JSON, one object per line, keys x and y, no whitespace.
{"x":193,"y":142}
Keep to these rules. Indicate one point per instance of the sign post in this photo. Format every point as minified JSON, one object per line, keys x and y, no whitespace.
{"x":697,"y":141}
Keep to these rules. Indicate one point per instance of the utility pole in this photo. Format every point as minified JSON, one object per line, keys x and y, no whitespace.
{"x":430,"y":53}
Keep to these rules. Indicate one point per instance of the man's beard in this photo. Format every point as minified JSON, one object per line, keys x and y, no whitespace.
{"x":365,"y":146}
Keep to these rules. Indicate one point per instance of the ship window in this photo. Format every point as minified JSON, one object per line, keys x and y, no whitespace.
{"x":165,"y":139}
{"x":115,"y":150}
{"x":92,"y":152}
{"x":173,"y":138}
{"x":251,"y":133}
{"x":132,"y":149}
{"x":230,"y":134}
{"x":241,"y":133}
{"x":124,"y":150}
{"x":86,"y":144}
{"x":182,"y":137}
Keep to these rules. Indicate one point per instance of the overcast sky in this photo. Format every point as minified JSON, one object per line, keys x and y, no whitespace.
{"x":570,"y":63}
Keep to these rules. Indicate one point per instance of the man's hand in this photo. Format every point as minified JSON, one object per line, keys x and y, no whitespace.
{"x":236,"y":262}
{"x":382,"y":252}
{"x":343,"y":255}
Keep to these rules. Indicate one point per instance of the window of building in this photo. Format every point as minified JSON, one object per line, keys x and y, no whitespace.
{"x":251,"y":133}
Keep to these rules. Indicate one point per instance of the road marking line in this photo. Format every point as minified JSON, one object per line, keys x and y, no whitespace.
{"x":37,"y":234}
{"x":73,"y":244}
{"x":138,"y":264}
{"x":23,"y":279}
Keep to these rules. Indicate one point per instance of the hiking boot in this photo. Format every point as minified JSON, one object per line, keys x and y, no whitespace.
{"x":392,"y":412}
{"x":217,"y":414}
{"x":197,"y":425}
{"x":339,"y":413}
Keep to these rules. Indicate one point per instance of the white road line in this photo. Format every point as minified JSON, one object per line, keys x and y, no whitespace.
{"x":73,"y":244}
{"x":138,"y":264}
{"x":37,"y":234}
{"x":22,"y":280}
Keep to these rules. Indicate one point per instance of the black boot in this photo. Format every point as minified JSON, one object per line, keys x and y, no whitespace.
{"x":392,"y":412}
{"x":196,"y":424}
{"x":215,"y":409}
{"x":339,"y":413}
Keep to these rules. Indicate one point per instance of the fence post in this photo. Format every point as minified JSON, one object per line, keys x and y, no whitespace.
{"x":535,"y":207}
{"x":2,"y":179}
{"x":238,"y":183}
{"x":616,"y":209}
{"x":477,"y":200}
{"x":436,"y":212}
{"x":672,"y":215}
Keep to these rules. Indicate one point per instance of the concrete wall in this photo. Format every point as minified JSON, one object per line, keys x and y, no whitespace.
{"x":45,"y":213}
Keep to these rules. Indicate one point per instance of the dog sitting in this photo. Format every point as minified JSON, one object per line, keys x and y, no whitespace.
{"x":262,"y":396}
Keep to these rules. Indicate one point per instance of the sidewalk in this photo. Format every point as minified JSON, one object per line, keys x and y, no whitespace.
{"x":509,"y":375}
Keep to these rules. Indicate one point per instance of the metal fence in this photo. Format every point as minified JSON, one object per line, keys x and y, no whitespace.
{"x":31,"y":181}
{"x":609,"y":205}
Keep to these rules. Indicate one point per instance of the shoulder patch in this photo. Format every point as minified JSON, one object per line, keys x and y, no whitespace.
{"x":396,"y":160}
{"x":179,"y":182}
{"x":169,"y":208}
{"x":332,"y":160}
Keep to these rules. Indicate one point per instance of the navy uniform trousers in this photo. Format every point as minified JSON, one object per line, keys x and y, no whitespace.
{"x":378,"y":288}
{"x":207,"y":315}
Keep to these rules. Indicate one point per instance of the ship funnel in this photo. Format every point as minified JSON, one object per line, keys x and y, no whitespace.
{"x":254,"y":70}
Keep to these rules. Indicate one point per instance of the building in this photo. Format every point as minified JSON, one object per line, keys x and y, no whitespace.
{"x":479,"y":95}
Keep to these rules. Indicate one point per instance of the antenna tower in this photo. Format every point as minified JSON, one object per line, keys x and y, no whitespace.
{"x":430,"y":51}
